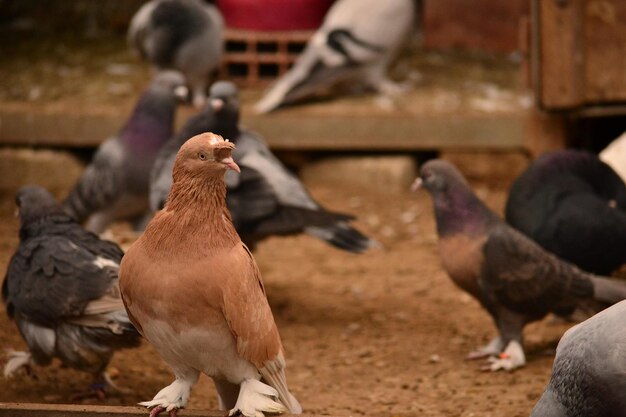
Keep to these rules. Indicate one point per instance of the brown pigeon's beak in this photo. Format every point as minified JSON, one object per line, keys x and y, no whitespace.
{"x":230,"y":163}
{"x":417,"y":184}
{"x":217,"y":104}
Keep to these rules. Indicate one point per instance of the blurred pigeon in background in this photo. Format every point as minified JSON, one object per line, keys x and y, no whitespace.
{"x":589,"y":371}
{"x":195,"y":292}
{"x":573,"y":205}
{"x":61,"y":288}
{"x":355,"y":44}
{"x":265,"y":199}
{"x":115,"y":185}
{"x":185,"y":35}
{"x":513,"y":278}
{"x":614,"y":156}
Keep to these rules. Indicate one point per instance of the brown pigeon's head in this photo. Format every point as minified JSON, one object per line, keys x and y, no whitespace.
{"x":206,"y":154}
{"x":438,"y":176}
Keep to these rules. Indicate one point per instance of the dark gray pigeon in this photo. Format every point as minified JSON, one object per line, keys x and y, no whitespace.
{"x":514,"y":279}
{"x":589,"y":371}
{"x":355,"y":44}
{"x":573,"y":205}
{"x":185,"y":35}
{"x":116,"y":184}
{"x":265,"y":199}
{"x":61,"y":289}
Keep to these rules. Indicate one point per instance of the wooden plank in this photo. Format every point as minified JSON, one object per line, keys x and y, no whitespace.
{"x":291,"y":131}
{"x":73,"y":410}
{"x":546,"y":132}
{"x":561,"y":76}
{"x":390,"y":133}
{"x":605,"y":51}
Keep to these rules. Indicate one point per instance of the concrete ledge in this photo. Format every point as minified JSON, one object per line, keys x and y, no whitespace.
{"x":292,"y":130}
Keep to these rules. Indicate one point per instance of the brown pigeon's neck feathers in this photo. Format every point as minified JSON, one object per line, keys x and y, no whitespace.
{"x":195,"y":217}
{"x":459,"y":210}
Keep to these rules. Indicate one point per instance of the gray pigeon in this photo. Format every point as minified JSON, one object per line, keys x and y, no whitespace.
{"x":514,"y":279}
{"x":115,"y":185}
{"x":589,"y":371}
{"x":61,"y":289}
{"x":355,"y":44}
{"x":265,"y":199}
{"x":185,"y":35}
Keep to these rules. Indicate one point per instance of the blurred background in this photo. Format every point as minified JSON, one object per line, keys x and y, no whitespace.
{"x":493,"y":85}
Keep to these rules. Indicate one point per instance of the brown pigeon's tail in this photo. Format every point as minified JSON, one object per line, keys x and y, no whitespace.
{"x":607,"y":290}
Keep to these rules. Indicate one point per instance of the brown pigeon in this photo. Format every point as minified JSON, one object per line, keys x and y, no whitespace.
{"x":193,"y":289}
{"x":514,"y":279}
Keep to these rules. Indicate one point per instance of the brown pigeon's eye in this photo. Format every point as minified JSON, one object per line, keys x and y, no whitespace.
{"x":201,"y":156}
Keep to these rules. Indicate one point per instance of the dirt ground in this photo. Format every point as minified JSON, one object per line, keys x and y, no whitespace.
{"x":379,"y":334}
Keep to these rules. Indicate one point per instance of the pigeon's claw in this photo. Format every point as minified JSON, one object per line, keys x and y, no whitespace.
{"x":18,"y":360}
{"x":170,"y":398}
{"x":158,"y":410}
{"x":96,"y":390}
{"x":490,"y":349}
{"x":255,"y":398}
{"x":512,"y":358}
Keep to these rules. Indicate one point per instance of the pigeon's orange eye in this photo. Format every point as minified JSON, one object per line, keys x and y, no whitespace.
{"x":201,"y":156}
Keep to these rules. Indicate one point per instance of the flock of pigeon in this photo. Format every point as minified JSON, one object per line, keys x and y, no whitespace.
{"x":204,"y":196}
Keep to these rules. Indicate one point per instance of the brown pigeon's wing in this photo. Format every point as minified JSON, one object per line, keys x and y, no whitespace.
{"x":250,"y":320}
{"x":247,"y":311}
{"x":526,"y":278}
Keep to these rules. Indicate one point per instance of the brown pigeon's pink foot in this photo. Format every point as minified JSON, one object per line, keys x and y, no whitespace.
{"x":158,"y":410}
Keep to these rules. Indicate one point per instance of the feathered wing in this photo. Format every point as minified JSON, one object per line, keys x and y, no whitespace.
{"x":527,"y":279}
{"x":319,"y":66}
{"x":250,"y":319}
{"x":100,"y":184}
{"x":267,"y":199}
{"x":355,"y":35}
{"x":50,"y":279}
{"x":51,"y":282}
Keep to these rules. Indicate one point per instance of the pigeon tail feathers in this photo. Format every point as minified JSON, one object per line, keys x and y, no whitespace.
{"x":343,"y":236}
{"x":608,"y":290}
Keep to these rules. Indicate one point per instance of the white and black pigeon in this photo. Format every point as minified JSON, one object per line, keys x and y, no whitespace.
{"x":61,"y":289}
{"x":115,"y":185}
{"x":589,"y":372}
{"x":185,"y":35}
{"x":266,"y":198}
{"x":355,"y":44}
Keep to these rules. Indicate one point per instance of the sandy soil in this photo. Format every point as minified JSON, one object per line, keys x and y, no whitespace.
{"x":382,"y":334}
